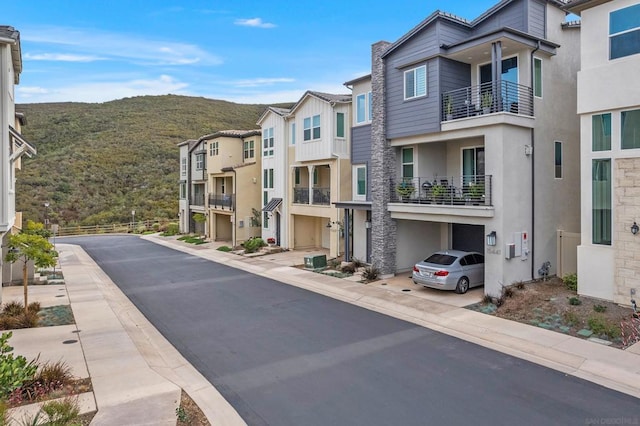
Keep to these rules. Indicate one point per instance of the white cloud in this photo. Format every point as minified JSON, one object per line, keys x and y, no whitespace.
{"x":61,"y":57}
{"x":102,"y":91}
{"x":254,"y":22}
{"x":91,"y":42}
{"x":257,"y":82}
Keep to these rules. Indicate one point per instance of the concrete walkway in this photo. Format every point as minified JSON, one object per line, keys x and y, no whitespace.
{"x":137,"y":374}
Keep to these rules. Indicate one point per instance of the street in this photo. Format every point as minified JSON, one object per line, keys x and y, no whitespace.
{"x":285,"y":356}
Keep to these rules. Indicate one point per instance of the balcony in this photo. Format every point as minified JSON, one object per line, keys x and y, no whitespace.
{"x":467,"y":190}
{"x":197,"y":200}
{"x":487,"y":98}
{"x":222,"y":202}
{"x":320,"y":196}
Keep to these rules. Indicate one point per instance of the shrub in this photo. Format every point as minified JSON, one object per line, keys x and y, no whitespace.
{"x":571,"y":318}
{"x":575,"y":301}
{"x":155,"y":227}
{"x":171,"y":230}
{"x":55,"y":374}
{"x":253,"y":244}
{"x":14,"y":371}
{"x":224,"y":248}
{"x":571,"y":281}
{"x":358,"y":263}
{"x":370,"y":273}
{"x":520,"y":285}
{"x":13,"y":308}
{"x":348,"y":268}
{"x":601,"y":326}
{"x":61,"y":412}
{"x":599,"y":308}
{"x":507,"y":292}
{"x":487,"y":299}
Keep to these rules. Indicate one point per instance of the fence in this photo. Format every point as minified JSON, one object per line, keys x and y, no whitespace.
{"x":115,"y":228}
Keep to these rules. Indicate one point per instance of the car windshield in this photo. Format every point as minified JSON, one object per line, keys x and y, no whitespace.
{"x":440,"y":259}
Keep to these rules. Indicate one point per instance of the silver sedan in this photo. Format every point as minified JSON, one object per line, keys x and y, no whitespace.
{"x":450,"y":270}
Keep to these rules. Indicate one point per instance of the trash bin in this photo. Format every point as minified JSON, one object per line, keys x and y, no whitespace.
{"x":315,"y":261}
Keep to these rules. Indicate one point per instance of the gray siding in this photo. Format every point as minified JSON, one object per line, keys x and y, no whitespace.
{"x":450,"y":32}
{"x":537,"y":18}
{"x":453,"y":75}
{"x":513,"y":16}
{"x":422,"y":45}
{"x":361,"y":144}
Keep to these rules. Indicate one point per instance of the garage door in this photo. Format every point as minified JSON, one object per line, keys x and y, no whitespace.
{"x":467,"y":237}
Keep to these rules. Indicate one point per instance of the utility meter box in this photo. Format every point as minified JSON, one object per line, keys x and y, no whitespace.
{"x":315,"y":261}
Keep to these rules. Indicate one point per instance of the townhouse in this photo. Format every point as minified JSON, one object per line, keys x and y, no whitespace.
{"x":306,"y":169}
{"x":193,"y":186}
{"x":609,"y":110}
{"x":12,"y":144}
{"x":475,"y":140}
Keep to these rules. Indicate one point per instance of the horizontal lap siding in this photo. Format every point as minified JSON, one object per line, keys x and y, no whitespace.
{"x":537,"y":19}
{"x":512,"y":16}
{"x":454,"y":75}
{"x":361,"y":142}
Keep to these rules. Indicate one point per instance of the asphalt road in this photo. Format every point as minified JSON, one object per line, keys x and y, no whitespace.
{"x":285,"y":356}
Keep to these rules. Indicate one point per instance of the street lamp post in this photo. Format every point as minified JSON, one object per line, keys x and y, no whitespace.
{"x":46,"y":215}
{"x":133,"y":220}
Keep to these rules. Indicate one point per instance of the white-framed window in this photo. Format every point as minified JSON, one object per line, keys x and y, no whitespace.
{"x":316,"y":176}
{"x":340,"y":124}
{"x":296,"y":176}
{"x":630,"y":129}
{"x":213,"y":148}
{"x":537,"y":77}
{"x":249,"y":150}
{"x":267,"y":178}
{"x":364,"y":108}
{"x":601,"y":201}
{"x":624,"y":32}
{"x":415,"y":82}
{"x":407,"y":163}
{"x":293,"y":133}
{"x":199,"y":161}
{"x":183,"y":166}
{"x":183,"y":190}
{"x":265,"y":219}
{"x":311,"y":128}
{"x":558,"y":159}
{"x":267,"y":142}
{"x":360,"y":182}
{"x":601,"y":132}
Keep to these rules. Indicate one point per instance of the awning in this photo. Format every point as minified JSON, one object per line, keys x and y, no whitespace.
{"x":272,"y":205}
{"x":23,"y":145}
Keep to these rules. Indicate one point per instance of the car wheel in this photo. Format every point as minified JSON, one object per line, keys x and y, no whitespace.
{"x":463,"y":285}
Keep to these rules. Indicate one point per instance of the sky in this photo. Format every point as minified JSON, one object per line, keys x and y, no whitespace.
{"x":242,"y":51}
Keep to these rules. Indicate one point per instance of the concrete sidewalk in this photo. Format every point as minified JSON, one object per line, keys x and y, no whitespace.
{"x":137,"y":374}
{"x":609,"y":367}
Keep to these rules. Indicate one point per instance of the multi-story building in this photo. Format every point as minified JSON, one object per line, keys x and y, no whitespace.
{"x":184,"y":213}
{"x":193,"y":186}
{"x":233,"y":179}
{"x":475,"y":141}
{"x":609,"y":109}
{"x":12,"y":144}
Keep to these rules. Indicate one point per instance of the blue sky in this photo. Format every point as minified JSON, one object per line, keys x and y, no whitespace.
{"x":242,"y":51}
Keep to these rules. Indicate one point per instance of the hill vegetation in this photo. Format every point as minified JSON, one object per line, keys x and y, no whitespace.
{"x":97,"y":162}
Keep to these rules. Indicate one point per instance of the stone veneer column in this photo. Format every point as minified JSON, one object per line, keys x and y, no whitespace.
{"x":383,"y":229}
{"x":626,"y":246}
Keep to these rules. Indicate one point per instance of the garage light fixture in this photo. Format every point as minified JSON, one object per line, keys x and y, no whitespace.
{"x":491,"y":238}
{"x":635,"y":228}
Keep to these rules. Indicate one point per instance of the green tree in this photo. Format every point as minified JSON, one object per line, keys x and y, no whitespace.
{"x":30,"y":247}
{"x":36,"y":228}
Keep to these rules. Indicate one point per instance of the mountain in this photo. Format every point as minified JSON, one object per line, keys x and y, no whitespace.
{"x":97,"y":162}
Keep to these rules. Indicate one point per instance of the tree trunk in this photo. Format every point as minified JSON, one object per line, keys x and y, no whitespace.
{"x":25,"y":283}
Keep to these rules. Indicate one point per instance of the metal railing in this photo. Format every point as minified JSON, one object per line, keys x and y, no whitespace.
{"x":197,"y":200}
{"x":222,"y":202}
{"x":466,"y":190}
{"x":301,"y":195}
{"x":487,"y":98}
{"x":322,"y":196}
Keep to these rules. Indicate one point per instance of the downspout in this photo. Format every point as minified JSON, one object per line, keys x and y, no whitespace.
{"x":533,"y":170}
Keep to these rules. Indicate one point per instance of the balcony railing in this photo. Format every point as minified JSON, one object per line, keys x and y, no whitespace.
{"x":320,"y":196}
{"x":486,"y":99}
{"x":467,"y":190}
{"x":197,"y":200}
{"x":222,"y":202}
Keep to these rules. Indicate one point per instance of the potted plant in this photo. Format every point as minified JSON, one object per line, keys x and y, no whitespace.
{"x":405,"y":189}
{"x":437,"y":192}
{"x":448,"y":107}
{"x":487,"y":101}
{"x":476,"y":192}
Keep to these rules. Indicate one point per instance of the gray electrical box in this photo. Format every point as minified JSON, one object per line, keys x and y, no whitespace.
{"x":315,"y":261}
{"x":509,"y":251}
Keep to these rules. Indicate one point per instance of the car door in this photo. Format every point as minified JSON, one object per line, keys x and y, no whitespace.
{"x":471,"y":269}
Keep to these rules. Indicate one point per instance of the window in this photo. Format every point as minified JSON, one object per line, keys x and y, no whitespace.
{"x":370,"y":95}
{"x":624,"y":32}
{"x":267,"y":142}
{"x":267,"y":178}
{"x":360,"y":179}
{"x":312,"y":128}
{"x":249,"y":151}
{"x":601,"y":201}
{"x":364,"y":108}
{"x":293,"y":133}
{"x":265,"y":221}
{"x":340,"y":124}
{"x":296,"y":175}
{"x":537,"y":77}
{"x":183,"y":166}
{"x":558,"y":159}
{"x":315,"y":175}
{"x":407,"y":163}
{"x":183,"y":190}
{"x":415,"y":82}
{"x":630,"y":129}
{"x":213,"y":148}
{"x":473,"y":165}
{"x":601,"y":132}
{"x":199,"y":161}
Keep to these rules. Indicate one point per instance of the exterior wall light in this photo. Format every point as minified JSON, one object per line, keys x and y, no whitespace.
{"x":635,"y":228}
{"x":491,"y":238}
